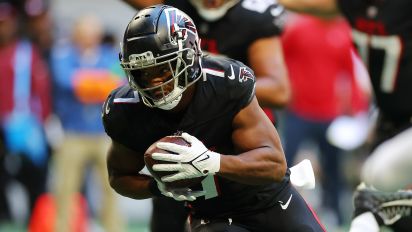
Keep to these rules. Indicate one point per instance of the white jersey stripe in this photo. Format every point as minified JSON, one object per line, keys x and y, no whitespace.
{"x":135,"y":99}
{"x":214,"y":72}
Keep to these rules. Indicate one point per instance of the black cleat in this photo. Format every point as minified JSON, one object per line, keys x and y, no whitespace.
{"x":387,"y":207}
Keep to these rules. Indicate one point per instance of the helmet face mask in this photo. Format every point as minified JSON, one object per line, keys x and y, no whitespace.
{"x":167,"y":91}
{"x":161,"y":62}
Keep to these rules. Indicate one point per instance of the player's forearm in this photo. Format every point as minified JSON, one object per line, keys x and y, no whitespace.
{"x":273,"y":93}
{"x":265,"y":57}
{"x":259,"y":166}
{"x":132,"y":186}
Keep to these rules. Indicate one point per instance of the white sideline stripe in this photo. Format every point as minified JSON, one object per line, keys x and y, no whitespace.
{"x":214,"y":72}
{"x":128,"y":100}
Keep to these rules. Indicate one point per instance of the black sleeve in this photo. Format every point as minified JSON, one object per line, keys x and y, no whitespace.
{"x":263,"y":18}
{"x":242,"y":88}
{"x":113,"y":119}
{"x":108,"y":116}
{"x":273,"y":21}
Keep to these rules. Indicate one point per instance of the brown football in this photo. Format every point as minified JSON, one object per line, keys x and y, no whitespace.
{"x":184,"y":183}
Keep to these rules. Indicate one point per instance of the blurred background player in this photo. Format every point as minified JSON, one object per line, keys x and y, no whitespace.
{"x":38,"y":23}
{"x":84,"y":72}
{"x":318,"y":54}
{"x":173,"y":87}
{"x":25,"y":105}
{"x":248,"y":31}
{"x":381,"y":31}
{"x":22,"y":181}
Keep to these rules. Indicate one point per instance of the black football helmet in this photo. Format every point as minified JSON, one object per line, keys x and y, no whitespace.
{"x":161,"y":39}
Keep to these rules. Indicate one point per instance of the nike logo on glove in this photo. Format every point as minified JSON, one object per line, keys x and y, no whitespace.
{"x":286,"y":205}
{"x":196,"y":162}
{"x":207,"y":157}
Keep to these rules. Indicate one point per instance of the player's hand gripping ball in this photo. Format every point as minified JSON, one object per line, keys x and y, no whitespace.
{"x":178,"y":184}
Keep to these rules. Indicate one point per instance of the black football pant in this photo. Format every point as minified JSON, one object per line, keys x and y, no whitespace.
{"x":295,"y":216}
{"x":168,"y":215}
{"x":292,"y":214}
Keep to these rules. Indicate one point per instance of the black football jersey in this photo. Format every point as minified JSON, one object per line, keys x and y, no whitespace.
{"x":226,"y":87}
{"x":382,"y":32}
{"x":238,"y":29}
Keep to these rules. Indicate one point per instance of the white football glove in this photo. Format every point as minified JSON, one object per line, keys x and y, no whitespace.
{"x":191,"y":162}
{"x":183,"y":194}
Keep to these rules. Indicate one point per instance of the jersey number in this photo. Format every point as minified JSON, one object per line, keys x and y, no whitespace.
{"x":391,"y":45}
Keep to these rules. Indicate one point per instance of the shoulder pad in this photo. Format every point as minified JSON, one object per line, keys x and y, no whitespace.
{"x":114,"y":113}
{"x":232,"y":79}
{"x":219,"y":66}
{"x":122,"y":94}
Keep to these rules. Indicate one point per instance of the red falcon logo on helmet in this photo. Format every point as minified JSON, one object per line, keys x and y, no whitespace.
{"x":180,"y":24}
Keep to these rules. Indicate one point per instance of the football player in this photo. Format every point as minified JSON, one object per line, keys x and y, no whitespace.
{"x":382,"y":34}
{"x":173,"y":87}
{"x":245,"y":30}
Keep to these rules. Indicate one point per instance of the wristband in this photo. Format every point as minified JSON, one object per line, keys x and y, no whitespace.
{"x":153,"y":189}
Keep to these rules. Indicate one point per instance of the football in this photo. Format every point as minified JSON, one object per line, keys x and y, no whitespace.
{"x":149,"y":161}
